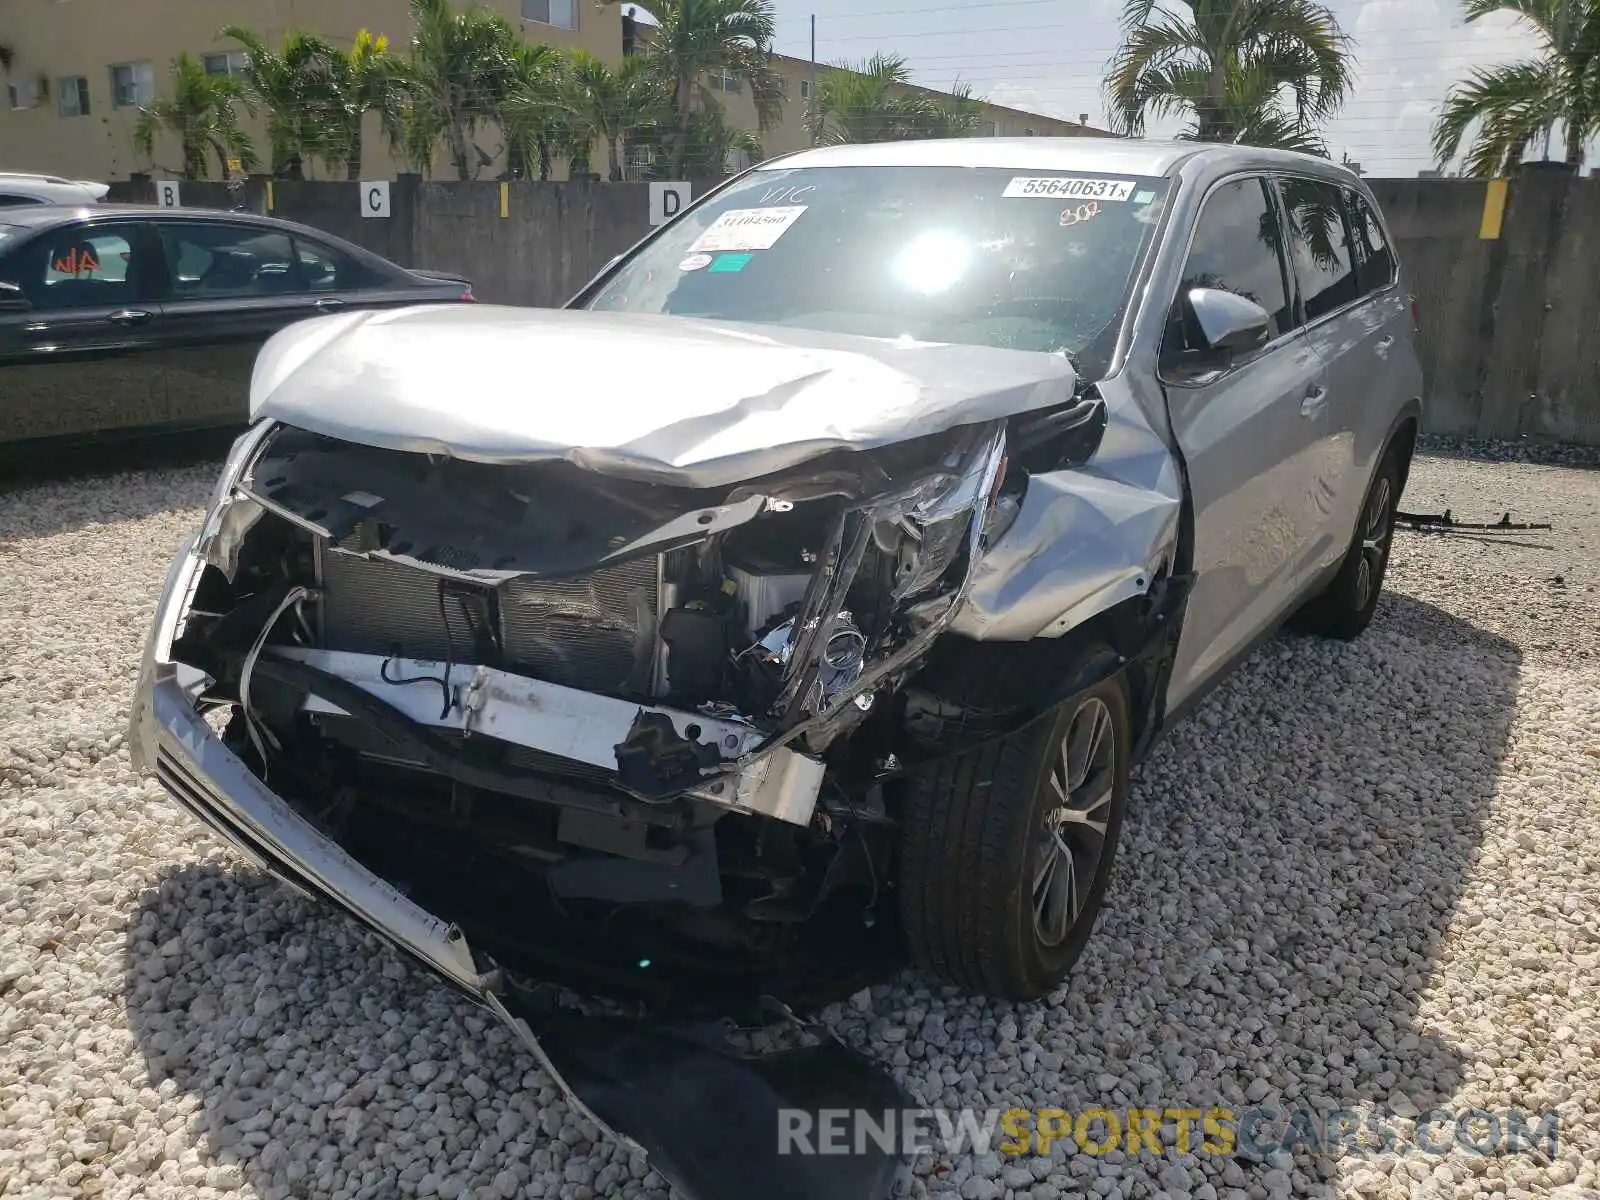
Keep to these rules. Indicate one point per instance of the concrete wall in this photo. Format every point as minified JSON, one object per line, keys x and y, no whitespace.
{"x":1510,"y":338}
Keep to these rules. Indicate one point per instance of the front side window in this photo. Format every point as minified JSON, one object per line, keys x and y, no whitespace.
{"x":1323,"y":264}
{"x":72,"y":96}
{"x":1237,"y":248}
{"x":212,"y":261}
{"x":1008,"y":258}
{"x":1374,"y":258}
{"x":77,"y":267}
{"x":132,"y":84}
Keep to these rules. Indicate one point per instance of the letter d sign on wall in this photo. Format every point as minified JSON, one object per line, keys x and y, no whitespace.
{"x":667,"y":200}
{"x":167,"y":193}
{"x":375,"y":199}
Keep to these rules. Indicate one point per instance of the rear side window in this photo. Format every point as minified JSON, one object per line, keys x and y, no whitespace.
{"x":78,"y":267}
{"x":1375,"y":266}
{"x":1323,"y":263}
{"x":11,"y":200}
{"x":1237,"y":248}
{"x":213,"y":261}
{"x":326,"y":269}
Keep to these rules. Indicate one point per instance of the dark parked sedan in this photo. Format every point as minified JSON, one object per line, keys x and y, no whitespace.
{"x":128,"y":319}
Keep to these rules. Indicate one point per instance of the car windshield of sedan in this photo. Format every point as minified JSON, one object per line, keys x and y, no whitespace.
{"x":1008,"y":258}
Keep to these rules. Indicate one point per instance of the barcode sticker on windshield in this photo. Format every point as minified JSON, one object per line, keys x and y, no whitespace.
{"x":747,"y":229}
{"x":1060,"y":187}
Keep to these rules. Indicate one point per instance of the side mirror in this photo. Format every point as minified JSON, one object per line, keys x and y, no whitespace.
{"x":12,"y":299}
{"x":1228,"y":323}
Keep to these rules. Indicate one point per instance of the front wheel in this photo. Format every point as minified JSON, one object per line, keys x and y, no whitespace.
{"x":1008,"y":848}
{"x":1345,"y":607}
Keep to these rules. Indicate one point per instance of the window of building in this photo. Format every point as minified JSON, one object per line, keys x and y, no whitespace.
{"x":226,"y":62}
{"x":1027,"y":133}
{"x":72,"y":96}
{"x":1320,"y":244}
{"x":23,"y":93}
{"x":805,"y":89}
{"x":723,"y":81}
{"x":211,"y":260}
{"x":637,"y":162}
{"x":132,"y":84}
{"x":561,"y":13}
{"x":1237,"y":248}
{"x":987,"y":128}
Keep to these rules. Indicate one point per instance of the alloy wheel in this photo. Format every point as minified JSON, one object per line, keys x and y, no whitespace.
{"x":1072,"y":840}
{"x":1376,"y":530}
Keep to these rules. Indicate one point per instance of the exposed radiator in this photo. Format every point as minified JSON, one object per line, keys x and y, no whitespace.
{"x":596,"y":632}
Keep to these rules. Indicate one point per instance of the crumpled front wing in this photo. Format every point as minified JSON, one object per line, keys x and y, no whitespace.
{"x":708,"y":1120}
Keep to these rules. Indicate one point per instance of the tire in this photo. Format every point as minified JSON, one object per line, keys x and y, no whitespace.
{"x":974,"y":836}
{"x":1344,"y":608}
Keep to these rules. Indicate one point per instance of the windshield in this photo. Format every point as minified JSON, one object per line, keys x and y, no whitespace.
{"x":1015,"y":259}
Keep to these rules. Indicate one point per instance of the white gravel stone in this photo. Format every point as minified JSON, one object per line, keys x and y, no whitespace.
{"x":1361,"y":875}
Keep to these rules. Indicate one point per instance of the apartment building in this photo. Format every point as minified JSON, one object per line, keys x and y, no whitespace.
{"x":81,"y":69}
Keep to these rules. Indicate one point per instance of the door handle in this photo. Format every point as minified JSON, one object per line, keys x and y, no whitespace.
{"x":328,"y":302}
{"x":130,"y":316}
{"x":1316,"y":396}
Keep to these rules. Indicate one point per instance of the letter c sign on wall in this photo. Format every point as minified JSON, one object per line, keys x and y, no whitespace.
{"x":375,"y":198}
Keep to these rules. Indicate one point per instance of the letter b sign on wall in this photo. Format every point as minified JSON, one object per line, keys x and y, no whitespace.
{"x":375,"y":199}
{"x":167,"y":193}
{"x":667,"y":200}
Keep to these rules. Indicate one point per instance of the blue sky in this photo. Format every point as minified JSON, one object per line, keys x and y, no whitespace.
{"x":1048,"y":56}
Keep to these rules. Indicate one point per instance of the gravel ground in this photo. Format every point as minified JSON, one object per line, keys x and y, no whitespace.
{"x":1362,"y":875}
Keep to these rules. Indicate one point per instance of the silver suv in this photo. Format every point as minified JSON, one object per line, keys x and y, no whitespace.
{"x":799,"y":599}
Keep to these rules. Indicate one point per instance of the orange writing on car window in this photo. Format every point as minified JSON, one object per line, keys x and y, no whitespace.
{"x":75,"y":262}
{"x":1084,"y":212}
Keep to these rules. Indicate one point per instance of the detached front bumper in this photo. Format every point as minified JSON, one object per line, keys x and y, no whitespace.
{"x":169,"y":738}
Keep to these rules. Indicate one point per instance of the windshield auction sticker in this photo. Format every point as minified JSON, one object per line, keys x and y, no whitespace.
{"x":748,"y":228}
{"x":1058,"y":187}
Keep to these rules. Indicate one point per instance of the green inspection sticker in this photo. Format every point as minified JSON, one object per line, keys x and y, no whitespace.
{"x":731,"y":262}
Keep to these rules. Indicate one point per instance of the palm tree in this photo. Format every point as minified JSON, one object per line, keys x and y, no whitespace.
{"x":699,"y":38}
{"x":351,"y":83}
{"x":284,"y":83}
{"x":1228,"y":65}
{"x":532,"y":115}
{"x":203,"y":114}
{"x":1512,"y":104}
{"x":456,"y":78}
{"x":613,"y":104}
{"x":875,"y":101}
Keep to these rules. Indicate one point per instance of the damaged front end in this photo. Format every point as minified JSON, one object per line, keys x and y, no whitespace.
{"x":622,"y":735}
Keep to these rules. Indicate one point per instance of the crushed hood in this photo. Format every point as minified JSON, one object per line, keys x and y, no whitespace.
{"x":663,"y":399}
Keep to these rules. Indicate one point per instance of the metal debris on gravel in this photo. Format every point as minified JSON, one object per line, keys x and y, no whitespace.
{"x":1360,"y":876}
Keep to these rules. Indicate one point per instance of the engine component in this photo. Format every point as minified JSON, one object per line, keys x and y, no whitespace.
{"x":697,"y":651}
{"x":595,"y":631}
{"x":765,"y":591}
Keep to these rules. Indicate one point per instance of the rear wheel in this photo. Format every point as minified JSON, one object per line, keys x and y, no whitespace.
{"x":1345,"y":607}
{"x":1008,"y":848}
